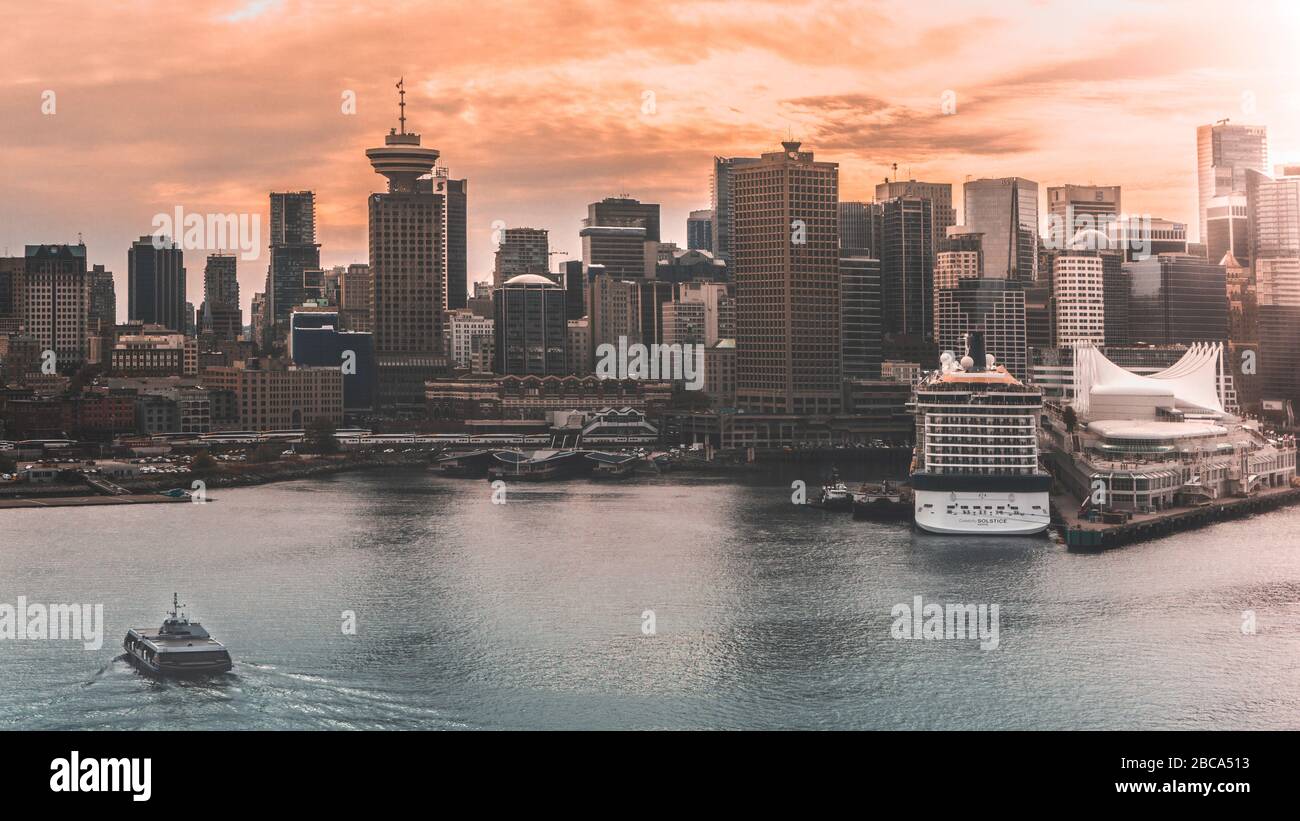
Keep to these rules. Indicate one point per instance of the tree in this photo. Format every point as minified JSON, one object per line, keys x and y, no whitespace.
{"x":203,"y":463}
{"x":1071,"y":419}
{"x":319,"y":436}
{"x":267,"y":452}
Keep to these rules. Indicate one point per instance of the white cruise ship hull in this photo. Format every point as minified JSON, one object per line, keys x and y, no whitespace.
{"x":992,"y":513}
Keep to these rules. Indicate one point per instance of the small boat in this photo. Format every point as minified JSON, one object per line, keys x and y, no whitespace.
{"x":179,"y":648}
{"x":885,"y":502}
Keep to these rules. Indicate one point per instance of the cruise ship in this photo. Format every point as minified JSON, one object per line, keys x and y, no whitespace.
{"x":976,"y":468}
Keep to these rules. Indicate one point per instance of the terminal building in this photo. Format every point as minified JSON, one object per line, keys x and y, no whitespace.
{"x":1162,"y":440}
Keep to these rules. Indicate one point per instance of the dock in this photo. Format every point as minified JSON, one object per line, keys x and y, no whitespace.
{"x":1081,"y":534}
{"x":89,"y":501}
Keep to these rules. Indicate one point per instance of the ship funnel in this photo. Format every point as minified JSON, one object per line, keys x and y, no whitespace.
{"x":975,"y":350}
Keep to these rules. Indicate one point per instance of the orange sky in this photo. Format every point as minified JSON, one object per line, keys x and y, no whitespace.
{"x":209,"y":105}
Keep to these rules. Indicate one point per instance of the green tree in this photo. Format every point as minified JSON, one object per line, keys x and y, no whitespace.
{"x":319,"y":436}
{"x":204,"y":463}
{"x":266,"y":452}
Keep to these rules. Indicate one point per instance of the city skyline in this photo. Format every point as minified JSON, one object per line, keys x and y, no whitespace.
{"x":542,"y":136}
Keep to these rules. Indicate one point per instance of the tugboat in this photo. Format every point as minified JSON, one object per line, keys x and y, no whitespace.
{"x":835,"y":495}
{"x":885,"y":502}
{"x":179,"y":648}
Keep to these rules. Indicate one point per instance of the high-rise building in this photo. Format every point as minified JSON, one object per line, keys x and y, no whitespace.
{"x":938,"y":193}
{"x":1224,"y":152}
{"x":907,"y":268}
{"x":994,"y":306}
{"x":619,"y":250}
{"x":316,"y":340}
{"x":614,"y":309}
{"x":522,"y":251}
{"x":463,"y":326}
{"x":455,"y":226}
{"x":13,"y":294}
{"x":1005,"y":211}
{"x":1079,"y":294}
{"x":103,"y":299}
{"x":530,"y":329}
{"x":699,"y":231}
{"x":627,"y":212}
{"x":860,"y":226}
{"x":1140,"y":236}
{"x":960,"y":257}
{"x":355,"y":300}
{"x":58,"y":302}
{"x":1117,"y":292}
{"x":1227,"y":227}
{"x":293,"y":250}
{"x":786,"y":270}
{"x":1273,"y":215}
{"x":220,"y":280}
{"x":156,"y":283}
{"x":575,"y":288}
{"x":716,"y":310}
{"x":1081,"y":216}
{"x":1177,"y":299}
{"x":406,"y":266}
{"x":861,"y":334}
{"x":722,"y":204}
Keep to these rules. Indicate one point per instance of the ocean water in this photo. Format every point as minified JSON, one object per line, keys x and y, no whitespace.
{"x":534,"y":614}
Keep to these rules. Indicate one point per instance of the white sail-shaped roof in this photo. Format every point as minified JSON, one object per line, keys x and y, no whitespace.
{"x":1193,"y":380}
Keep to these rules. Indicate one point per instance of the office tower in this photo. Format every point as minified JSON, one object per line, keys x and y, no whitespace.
{"x":1117,"y":291}
{"x":58,"y":302}
{"x":690,"y":266}
{"x":1079,"y":293}
{"x":1080,"y":216}
{"x":786,"y":270}
{"x":960,"y":256}
{"x":860,"y":225}
{"x":579,"y":348}
{"x":530,"y":328}
{"x":654,"y":295}
{"x":522,"y":251}
{"x":463,"y":327}
{"x":618,"y":250}
{"x":1005,"y":211}
{"x":627,"y":212}
{"x":1140,"y":237}
{"x":355,"y":298}
{"x":103,"y":299}
{"x":711,"y":303}
{"x":861,"y":334}
{"x":316,"y":340}
{"x":938,"y":193}
{"x":293,"y":251}
{"x":406,"y":248}
{"x":614,"y":309}
{"x":994,"y":306}
{"x":156,"y":283}
{"x":1273,"y":216}
{"x":907,"y":268}
{"x":1224,"y":153}
{"x":455,"y":226}
{"x":1278,"y":284}
{"x":13,"y":294}
{"x":220,"y":280}
{"x":699,"y":231}
{"x":1227,"y":227}
{"x":1177,"y":299}
{"x":724,"y":217}
{"x":684,"y":322}
{"x":1040,"y":319}
{"x":575,"y":288}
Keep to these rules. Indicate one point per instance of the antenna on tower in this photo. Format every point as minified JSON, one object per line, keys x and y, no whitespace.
{"x":895,"y":167}
{"x":401,"y":105}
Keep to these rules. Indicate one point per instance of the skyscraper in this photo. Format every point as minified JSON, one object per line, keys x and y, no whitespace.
{"x":1078,"y":284}
{"x":699,"y":231}
{"x":532,"y":334}
{"x":1075,"y":212}
{"x":861,"y":334}
{"x":994,"y":306}
{"x":1179,"y":299}
{"x":907,"y":268}
{"x":155,"y":287}
{"x":293,"y":251}
{"x":1005,"y":211}
{"x":1273,"y":216}
{"x":786,"y":270}
{"x":58,"y":302}
{"x":628,"y":212}
{"x":521,"y":251}
{"x":722,"y":205}
{"x":103,"y":298}
{"x":1224,"y":153}
{"x":220,"y":314}
{"x":455,"y":226}
{"x":860,"y":224}
{"x":938,"y":193}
